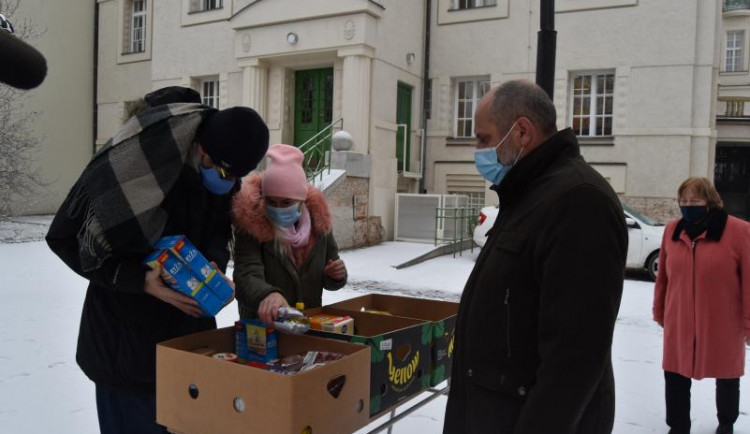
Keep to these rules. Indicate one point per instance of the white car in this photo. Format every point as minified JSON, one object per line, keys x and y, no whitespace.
{"x":486,"y":220}
{"x":643,"y":245}
{"x":644,"y":242}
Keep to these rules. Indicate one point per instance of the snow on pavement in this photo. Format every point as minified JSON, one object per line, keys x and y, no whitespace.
{"x":43,"y":390}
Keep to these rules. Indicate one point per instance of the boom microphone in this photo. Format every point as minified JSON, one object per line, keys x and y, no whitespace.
{"x":21,"y":65}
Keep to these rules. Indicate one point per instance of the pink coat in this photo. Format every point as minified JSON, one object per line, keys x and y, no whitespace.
{"x":702,"y":296}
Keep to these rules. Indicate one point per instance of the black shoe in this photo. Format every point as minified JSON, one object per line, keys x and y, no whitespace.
{"x":677,"y":431}
{"x":725,"y":429}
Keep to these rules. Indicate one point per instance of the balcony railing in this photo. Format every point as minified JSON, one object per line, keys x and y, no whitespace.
{"x":733,"y":5}
{"x":733,"y":107}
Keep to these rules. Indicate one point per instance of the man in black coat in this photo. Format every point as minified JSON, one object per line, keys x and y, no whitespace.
{"x":535,"y":323}
{"x":170,"y":170}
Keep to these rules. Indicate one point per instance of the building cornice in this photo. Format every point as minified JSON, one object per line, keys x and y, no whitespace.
{"x":278,"y":12}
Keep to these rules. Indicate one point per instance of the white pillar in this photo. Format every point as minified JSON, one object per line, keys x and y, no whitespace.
{"x":254,"y":85}
{"x":355,"y":104}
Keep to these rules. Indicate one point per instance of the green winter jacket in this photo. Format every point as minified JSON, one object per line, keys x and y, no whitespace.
{"x":259,"y":267}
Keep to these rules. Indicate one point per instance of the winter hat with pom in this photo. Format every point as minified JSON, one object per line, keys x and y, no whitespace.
{"x":284,"y":175}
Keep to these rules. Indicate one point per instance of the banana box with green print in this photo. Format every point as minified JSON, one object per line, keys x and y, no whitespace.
{"x":441,"y":314}
{"x":399,"y":349}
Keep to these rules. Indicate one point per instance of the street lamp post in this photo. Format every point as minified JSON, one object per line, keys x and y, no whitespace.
{"x":546,"y":47}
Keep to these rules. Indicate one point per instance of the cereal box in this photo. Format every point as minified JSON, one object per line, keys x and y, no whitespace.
{"x":255,"y":341}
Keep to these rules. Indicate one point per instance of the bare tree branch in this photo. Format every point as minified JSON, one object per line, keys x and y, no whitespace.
{"x":19,"y":174}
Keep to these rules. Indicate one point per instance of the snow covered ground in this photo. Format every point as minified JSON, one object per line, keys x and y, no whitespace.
{"x":42,"y":389}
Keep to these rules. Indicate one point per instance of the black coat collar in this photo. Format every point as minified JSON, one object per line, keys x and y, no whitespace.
{"x":562,"y":144}
{"x":715,"y":229}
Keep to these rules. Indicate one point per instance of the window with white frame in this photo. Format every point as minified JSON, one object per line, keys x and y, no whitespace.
{"x":471,"y":4}
{"x":468,"y":94}
{"x":205,"y":5}
{"x":210,"y":93}
{"x":138,"y":26}
{"x":476,"y":198}
{"x":470,"y":185}
{"x":592,"y":102}
{"x":735,"y":43}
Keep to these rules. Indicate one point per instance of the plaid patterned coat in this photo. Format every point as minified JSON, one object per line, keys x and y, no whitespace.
{"x":143,"y":184}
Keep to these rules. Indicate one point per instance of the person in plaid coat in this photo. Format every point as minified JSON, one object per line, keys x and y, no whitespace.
{"x":172,"y":169}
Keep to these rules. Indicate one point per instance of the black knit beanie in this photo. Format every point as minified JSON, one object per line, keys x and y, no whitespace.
{"x":172,"y":94}
{"x":235,"y":138}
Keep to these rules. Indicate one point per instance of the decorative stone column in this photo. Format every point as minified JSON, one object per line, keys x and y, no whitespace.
{"x":355,"y":105}
{"x":254,"y":85}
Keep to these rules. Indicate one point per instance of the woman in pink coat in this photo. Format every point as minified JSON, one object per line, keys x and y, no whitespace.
{"x":702,"y":299}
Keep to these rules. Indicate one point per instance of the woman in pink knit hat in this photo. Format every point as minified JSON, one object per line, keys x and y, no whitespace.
{"x":284,"y":249}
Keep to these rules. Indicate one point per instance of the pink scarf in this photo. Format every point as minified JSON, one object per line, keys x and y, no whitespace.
{"x":297,"y":234}
{"x":297,"y":237}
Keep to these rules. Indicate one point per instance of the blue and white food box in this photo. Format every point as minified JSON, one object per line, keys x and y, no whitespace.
{"x":178,"y":276}
{"x":184,"y":249}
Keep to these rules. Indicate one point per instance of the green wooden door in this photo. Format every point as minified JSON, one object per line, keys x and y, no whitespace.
{"x":313,"y":103}
{"x":403,"y":117}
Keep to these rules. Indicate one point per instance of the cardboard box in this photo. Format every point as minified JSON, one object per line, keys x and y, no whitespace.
{"x":197,"y":394}
{"x":442,"y":314}
{"x":400,"y":362}
{"x":178,"y":276}
{"x":185,"y":250}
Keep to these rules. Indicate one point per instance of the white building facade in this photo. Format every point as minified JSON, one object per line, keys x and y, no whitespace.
{"x":732,"y":174}
{"x":636,"y":79}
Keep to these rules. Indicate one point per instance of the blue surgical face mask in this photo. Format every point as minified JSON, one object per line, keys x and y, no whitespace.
{"x":487,"y":163}
{"x":284,"y":217}
{"x":213,"y":181}
{"x":693,"y":214}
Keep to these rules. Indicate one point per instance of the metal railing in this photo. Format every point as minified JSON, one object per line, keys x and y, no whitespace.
{"x":317,"y":150}
{"x":455,"y":226}
{"x":434,"y":394}
{"x":733,"y":5}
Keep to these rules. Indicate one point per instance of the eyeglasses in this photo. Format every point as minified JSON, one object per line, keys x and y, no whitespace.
{"x":223,"y":173}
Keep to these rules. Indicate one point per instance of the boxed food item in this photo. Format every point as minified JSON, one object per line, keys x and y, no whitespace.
{"x":186,"y":270}
{"x":333,"y":323}
{"x":178,"y":276}
{"x":441,"y":314}
{"x":400,"y":362}
{"x":255,"y":341}
{"x":188,"y":253}
{"x":197,"y":393}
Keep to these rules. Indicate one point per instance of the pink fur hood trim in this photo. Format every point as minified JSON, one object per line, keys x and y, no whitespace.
{"x":249,"y":216}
